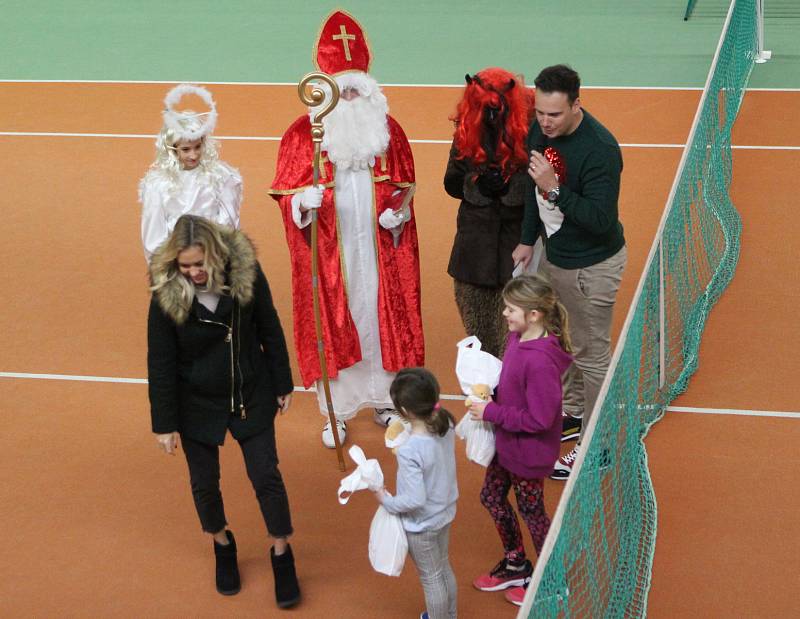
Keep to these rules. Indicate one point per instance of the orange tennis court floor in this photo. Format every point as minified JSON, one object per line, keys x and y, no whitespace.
{"x":102,"y":524}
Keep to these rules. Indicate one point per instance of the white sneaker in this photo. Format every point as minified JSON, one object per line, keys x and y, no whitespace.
{"x":385,"y":416}
{"x":327,"y":435}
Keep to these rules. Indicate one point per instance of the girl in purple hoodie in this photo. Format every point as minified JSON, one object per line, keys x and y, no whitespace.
{"x":527,"y":419}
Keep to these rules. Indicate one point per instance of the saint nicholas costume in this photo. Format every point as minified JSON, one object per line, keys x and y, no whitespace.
{"x":369,"y":283}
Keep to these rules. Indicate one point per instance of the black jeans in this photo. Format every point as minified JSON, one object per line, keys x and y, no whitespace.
{"x":261,"y":460}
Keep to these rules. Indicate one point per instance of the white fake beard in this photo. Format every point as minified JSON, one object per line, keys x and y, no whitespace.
{"x":356,"y":131}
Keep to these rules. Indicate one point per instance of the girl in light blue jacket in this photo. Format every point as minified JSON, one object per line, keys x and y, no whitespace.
{"x":426,"y":486}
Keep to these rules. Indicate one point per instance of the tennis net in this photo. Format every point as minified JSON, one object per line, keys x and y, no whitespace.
{"x":598,"y":556}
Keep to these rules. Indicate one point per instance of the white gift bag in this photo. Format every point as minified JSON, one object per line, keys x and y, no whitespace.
{"x":388,"y":544}
{"x":368,"y":475}
{"x":533,"y":264}
{"x":479,"y":439}
{"x":473,"y":366}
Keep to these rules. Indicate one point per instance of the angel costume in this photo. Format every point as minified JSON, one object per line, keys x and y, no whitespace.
{"x":212,"y":190}
{"x":214,"y":194}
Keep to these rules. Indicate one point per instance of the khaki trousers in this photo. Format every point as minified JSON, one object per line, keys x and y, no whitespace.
{"x":588,"y":294}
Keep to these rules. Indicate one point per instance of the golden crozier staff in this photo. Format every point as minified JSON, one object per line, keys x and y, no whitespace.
{"x":314,"y":98}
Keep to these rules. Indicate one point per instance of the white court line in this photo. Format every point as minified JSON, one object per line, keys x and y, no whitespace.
{"x":51,"y":134}
{"x":392,"y":85}
{"x":772,"y":89}
{"x":294,"y":84}
{"x":254,"y":138}
{"x":137,"y":136}
{"x":80,"y":378}
{"x":140,"y":136}
{"x":722,"y":411}
{"x":444,"y":396}
{"x":742,"y":147}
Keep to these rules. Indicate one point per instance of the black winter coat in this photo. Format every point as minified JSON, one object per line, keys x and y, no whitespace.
{"x":217,"y":370}
{"x":487,"y":229}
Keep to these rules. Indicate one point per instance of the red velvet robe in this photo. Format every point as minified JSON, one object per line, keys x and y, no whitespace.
{"x":399,"y":316}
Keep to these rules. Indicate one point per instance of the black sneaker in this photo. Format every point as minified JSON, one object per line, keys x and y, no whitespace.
{"x":570,"y":427}
{"x":504,"y":577}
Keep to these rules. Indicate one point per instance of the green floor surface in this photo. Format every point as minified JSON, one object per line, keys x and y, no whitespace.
{"x":628,"y":43}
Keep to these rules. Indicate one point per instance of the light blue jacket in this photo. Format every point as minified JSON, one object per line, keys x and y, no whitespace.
{"x":427,"y":489}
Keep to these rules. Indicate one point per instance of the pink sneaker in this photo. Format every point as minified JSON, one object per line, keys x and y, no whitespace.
{"x":503,"y":576}
{"x":516,"y":595}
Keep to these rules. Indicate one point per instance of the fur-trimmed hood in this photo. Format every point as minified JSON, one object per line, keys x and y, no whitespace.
{"x":240,"y":271}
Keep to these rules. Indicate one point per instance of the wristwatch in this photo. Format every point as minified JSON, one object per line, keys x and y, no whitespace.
{"x":553,"y":194}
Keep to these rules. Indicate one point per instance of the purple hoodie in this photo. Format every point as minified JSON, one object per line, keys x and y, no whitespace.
{"x":526,"y":411}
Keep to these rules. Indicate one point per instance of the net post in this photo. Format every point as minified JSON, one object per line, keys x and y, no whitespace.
{"x":762,"y":54}
{"x":689,"y":9}
{"x":662,"y":319}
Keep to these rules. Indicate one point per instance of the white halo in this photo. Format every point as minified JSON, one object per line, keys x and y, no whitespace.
{"x":172,"y":116}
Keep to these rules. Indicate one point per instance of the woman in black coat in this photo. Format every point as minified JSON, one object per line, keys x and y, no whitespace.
{"x":217,"y":362}
{"x":487,"y":172}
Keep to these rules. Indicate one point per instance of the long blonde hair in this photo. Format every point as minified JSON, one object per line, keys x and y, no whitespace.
{"x":191,"y":231}
{"x":531,"y":292}
{"x":167,"y":156}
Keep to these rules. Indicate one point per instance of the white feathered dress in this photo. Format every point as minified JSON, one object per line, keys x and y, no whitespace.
{"x":215,"y":195}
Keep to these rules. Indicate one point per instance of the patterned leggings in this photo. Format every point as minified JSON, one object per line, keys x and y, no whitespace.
{"x":481,"y":311}
{"x":530,"y":502}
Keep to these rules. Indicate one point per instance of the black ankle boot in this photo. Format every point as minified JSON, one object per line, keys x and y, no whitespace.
{"x":287,"y":589}
{"x":228,"y":582}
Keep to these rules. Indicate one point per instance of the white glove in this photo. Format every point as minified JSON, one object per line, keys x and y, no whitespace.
{"x":389,"y":220}
{"x":312,"y":197}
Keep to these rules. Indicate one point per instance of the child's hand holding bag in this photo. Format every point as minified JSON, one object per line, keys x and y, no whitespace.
{"x":368,"y":475}
{"x":388,"y":545}
{"x":475,"y":368}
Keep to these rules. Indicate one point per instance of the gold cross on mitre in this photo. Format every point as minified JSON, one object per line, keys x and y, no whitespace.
{"x":344,"y":38}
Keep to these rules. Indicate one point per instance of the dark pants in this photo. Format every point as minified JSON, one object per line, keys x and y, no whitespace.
{"x":261,"y":460}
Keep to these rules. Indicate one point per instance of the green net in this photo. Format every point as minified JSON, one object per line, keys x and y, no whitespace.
{"x":598,"y":557}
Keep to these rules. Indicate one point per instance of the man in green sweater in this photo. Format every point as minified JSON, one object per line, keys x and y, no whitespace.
{"x":575,"y":169}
